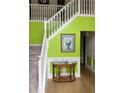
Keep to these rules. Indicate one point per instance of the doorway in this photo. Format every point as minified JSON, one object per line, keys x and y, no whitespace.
{"x":82,"y":49}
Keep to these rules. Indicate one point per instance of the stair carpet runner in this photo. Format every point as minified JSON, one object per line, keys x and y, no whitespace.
{"x":34,"y":52}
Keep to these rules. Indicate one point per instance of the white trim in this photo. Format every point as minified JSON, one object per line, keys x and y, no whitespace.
{"x":91,"y":69}
{"x":35,"y":44}
{"x":90,"y":15}
{"x":50,"y":59}
{"x":63,"y":57}
{"x":36,"y":20}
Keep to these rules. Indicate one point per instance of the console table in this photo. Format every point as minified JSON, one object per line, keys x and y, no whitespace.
{"x":58,"y":77}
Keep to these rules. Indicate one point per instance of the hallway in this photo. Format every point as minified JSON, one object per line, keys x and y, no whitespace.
{"x":85,"y":84}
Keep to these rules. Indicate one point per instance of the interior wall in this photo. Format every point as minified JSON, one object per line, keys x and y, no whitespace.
{"x":91,"y":44}
{"x":90,"y":51}
{"x":34,"y":1}
{"x":36,"y":32}
{"x":54,"y":51}
{"x":78,"y":24}
{"x":53,"y":2}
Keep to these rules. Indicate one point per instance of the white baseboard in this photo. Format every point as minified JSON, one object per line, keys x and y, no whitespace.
{"x":36,"y":20}
{"x":91,"y":69}
{"x":86,"y":15}
{"x":70,"y":59}
{"x":35,"y":44}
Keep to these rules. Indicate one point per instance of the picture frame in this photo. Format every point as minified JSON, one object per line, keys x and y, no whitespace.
{"x":44,"y":1}
{"x":67,"y":42}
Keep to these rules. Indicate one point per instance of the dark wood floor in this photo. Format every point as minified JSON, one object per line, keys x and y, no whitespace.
{"x":84,"y":84}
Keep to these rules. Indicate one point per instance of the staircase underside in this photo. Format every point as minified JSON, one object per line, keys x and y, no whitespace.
{"x":34,"y":52}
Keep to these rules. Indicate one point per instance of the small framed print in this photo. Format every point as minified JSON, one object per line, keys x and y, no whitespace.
{"x":67,"y":42}
{"x":43,"y":1}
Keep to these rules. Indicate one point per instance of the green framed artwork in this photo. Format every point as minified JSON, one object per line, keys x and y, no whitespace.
{"x":67,"y":42}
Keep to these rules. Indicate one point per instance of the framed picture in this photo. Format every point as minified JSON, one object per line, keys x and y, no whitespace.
{"x":67,"y":42}
{"x":43,"y":1}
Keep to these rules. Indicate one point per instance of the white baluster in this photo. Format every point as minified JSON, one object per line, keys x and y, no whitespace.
{"x":48,"y":13}
{"x":31,"y":12}
{"x":89,"y":6}
{"x":53,"y":10}
{"x":53,"y":24}
{"x":79,"y":9}
{"x":70,"y":10}
{"x":36,"y":9}
{"x":62,"y":16}
{"x":65,"y":18}
{"x":39,"y":12}
{"x":35,"y":13}
{"x":33,"y":7}
{"x":86,"y":8}
{"x":49,"y":29}
{"x":94,"y":7}
{"x":59,"y":20}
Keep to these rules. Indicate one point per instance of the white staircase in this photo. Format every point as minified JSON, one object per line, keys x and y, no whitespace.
{"x":62,"y":18}
{"x":54,"y":25}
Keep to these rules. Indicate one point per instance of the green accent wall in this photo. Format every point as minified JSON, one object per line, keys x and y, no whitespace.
{"x":78,"y":24}
{"x":36,"y":32}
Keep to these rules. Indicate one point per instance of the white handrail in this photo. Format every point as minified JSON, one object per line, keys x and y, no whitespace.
{"x":43,"y":64}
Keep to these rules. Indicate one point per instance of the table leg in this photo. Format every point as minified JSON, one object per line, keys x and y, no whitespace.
{"x":59,"y":72}
{"x":70,"y":71}
{"x":53,"y":72}
{"x":73,"y":71}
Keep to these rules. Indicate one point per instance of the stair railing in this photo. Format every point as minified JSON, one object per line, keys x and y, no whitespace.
{"x":57,"y":20}
{"x":62,"y":16}
{"x":87,"y":7}
{"x":40,"y":11}
{"x":52,"y":26}
{"x":42,"y":64}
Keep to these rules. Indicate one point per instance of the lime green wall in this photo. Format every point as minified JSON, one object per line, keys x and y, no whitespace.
{"x":77,"y":25}
{"x":36,"y":31}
